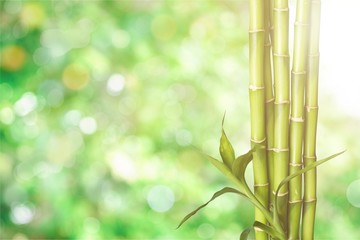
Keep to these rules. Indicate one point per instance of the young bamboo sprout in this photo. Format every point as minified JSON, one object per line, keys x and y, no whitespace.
{"x":298,"y":78}
{"x":257,"y":107}
{"x":269,"y":99}
{"x":281,"y":104}
{"x":311,"y":114}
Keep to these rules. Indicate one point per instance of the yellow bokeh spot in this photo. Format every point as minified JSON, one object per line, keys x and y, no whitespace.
{"x":75,"y":77}
{"x":163,"y":27}
{"x":32,"y":15}
{"x":12,"y":58}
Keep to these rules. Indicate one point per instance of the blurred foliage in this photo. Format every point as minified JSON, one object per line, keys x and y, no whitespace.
{"x":100,"y":104}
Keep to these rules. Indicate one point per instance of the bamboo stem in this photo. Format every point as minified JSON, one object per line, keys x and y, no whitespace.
{"x":257,"y":107}
{"x":311,"y":115}
{"x":281,"y":104}
{"x":269,"y":101}
{"x":298,"y":78}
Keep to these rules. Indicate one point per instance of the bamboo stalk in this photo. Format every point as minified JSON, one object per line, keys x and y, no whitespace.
{"x":257,"y":108}
{"x":311,"y":115}
{"x":298,"y":78}
{"x":269,"y":99}
{"x":281,"y":104}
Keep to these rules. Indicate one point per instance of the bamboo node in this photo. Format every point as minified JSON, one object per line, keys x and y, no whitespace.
{"x":310,"y":200}
{"x":296,"y":201}
{"x":308,"y":108}
{"x":270,"y":100}
{"x":254,"y":88}
{"x":281,"y":9}
{"x":282,"y":102}
{"x":296,"y":119}
{"x":261,"y":185}
{"x":281,"y":55}
{"x":281,"y":194}
{"x":298,"y":73}
{"x":258,"y":141}
{"x":309,"y":157}
{"x":296,"y":164}
{"x":277,"y":150}
{"x":256,"y":30}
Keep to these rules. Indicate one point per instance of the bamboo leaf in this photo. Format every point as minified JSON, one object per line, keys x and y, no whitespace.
{"x":217,"y":194}
{"x":306,"y":169}
{"x":240,"y":164}
{"x":225,"y":170}
{"x":269,"y":230}
{"x":244,"y":235}
{"x":226,"y":149}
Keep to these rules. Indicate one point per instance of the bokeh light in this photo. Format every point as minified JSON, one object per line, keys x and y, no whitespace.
{"x":353,"y":193}
{"x":103,"y":105}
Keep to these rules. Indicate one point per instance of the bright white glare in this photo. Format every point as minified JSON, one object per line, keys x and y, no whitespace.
{"x":88,"y":125}
{"x":160,"y":198}
{"x":6,"y":115}
{"x":21,"y":214}
{"x":339,"y":50}
{"x":353,"y":193}
{"x":122,"y":167}
{"x":115,"y":84}
{"x":26,"y":104}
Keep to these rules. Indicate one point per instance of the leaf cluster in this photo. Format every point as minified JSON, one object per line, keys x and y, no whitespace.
{"x":234,"y":170}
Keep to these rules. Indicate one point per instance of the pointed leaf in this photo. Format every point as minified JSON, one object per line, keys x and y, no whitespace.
{"x":239,"y":165}
{"x":308,"y":168}
{"x":226,"y":149}
{"x":225,"y":170}
{"x":217,"y":194}
{"x":244,"y":235}
{"x":240,"y":184}
{"x":269,"y":230}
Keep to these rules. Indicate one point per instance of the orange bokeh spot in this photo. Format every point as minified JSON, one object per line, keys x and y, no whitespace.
{"x":75,"y":77}
{"x":12,"y":58}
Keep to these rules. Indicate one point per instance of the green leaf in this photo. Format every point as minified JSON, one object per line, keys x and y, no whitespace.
{"x":225,"y":170}
{"x":269,"y":230}
{"x":308,"y":168}
{"x":244,"y":235}
{"x":226,"y":149}
{"x":239,"y":165}
{"x":217,"y":194}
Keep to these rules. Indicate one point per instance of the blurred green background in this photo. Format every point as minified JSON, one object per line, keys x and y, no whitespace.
{"x":101,"y":103}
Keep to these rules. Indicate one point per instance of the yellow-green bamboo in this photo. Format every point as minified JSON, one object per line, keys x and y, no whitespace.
{"x":311,"y":113}
{"x":281,"y":105}
{"x":257,"y":107}
{"x":269,"y":100}
{"x":298,"y":78}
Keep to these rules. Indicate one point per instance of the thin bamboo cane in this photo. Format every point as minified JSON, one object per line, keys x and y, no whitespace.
{"x":281,"y":104}
{"x":311,"y":115}
{"x":257,"y":108}
{"x":269,"y":100}
{"x":298,"y":78}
